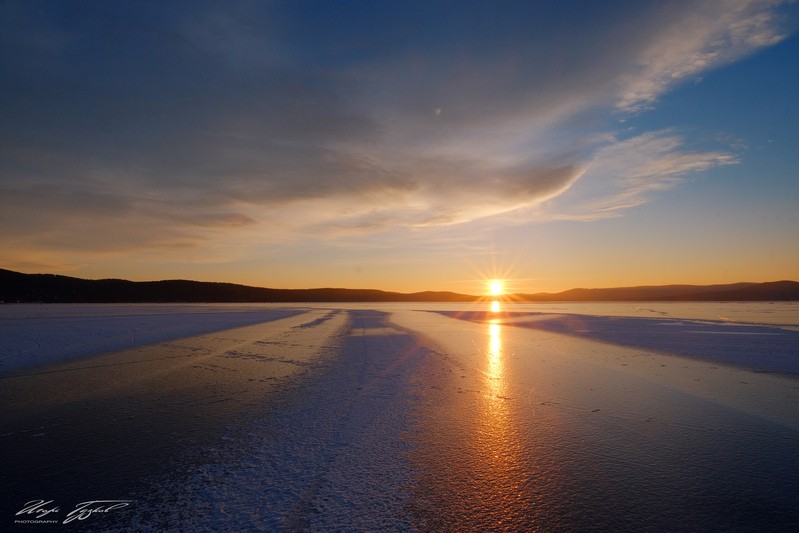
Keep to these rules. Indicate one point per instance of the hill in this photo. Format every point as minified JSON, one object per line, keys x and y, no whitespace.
{"x":52,"y":288}
{"x":735,"y":292}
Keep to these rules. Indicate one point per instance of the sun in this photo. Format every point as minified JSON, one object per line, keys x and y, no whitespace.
{"x":495,"y":287}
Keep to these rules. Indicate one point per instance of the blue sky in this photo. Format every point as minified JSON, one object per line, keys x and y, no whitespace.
{"x":401,"y":145}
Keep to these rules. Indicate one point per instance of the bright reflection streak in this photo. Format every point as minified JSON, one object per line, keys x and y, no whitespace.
{"x":495,"y":358}
{"x":501,"y":464}
{"x":495,"y":341}
{"x":490,"y":475}
{"x":495,"y":306}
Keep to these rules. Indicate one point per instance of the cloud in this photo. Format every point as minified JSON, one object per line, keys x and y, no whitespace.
{"x":626,"y":173}
{"x":708,"y":35}
{"x":195,"y":126}
{"x":457,"y":193}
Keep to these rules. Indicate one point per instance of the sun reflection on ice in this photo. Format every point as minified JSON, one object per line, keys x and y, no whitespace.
{"x":497,"y":439}
{"x":495,"y":357}
{"x":494,"y":341}
{"x":486,"y":477}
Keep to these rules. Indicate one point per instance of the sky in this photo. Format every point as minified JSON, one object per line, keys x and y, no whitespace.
{"x":407,"y":146}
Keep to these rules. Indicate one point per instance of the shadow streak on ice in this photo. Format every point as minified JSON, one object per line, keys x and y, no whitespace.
{"x":331,"y":454}
{"x":115,"y":425}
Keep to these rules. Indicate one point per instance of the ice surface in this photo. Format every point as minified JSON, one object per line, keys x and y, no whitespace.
{"x":36,"y":335}
{"x":387,"y":418}
{"x":522,"y":429}
{"x":766,"y":348}
{"x":332,"y":460}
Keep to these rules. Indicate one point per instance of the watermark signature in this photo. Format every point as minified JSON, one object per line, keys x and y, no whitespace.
{"x":48,"y":512}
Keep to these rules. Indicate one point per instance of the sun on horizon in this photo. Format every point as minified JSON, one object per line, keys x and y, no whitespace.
{"x":496,"y":287}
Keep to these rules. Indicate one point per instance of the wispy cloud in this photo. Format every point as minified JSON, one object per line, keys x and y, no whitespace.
{"x":628,"y":172}
{"x":707,"y":35}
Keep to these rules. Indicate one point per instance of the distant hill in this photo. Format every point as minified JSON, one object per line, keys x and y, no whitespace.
{"x":51,"y":288}
{"x":734,"y":292}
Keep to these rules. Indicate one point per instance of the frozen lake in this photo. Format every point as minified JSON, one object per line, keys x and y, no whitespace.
{"x":35,"y":334}
{"x":417,"y":417}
